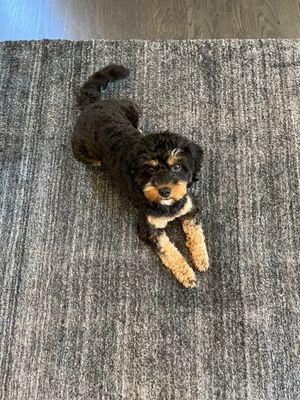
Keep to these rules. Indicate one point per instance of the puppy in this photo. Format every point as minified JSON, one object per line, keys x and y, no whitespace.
{"x":156,"y":170}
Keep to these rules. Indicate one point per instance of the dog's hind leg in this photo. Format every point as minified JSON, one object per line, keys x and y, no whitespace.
{"x":195,"y":242}
{"x":82,"y":154}
{"x":132,"y":111}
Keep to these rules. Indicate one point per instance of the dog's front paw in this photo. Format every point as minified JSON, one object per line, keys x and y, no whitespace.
{"x":200,"y":258}
{"x":186,"y":276}
{"x":181,"y":269}
{"x":175,"y":262}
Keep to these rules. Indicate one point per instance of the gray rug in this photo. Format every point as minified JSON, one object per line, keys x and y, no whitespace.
{"x":87,"y":311}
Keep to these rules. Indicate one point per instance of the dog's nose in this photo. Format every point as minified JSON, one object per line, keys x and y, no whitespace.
{"x":164,"y":191}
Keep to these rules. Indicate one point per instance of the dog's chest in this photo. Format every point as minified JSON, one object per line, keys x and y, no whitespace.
{"x":162,"y":222}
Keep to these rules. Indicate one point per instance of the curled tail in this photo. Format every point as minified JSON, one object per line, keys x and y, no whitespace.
{"x":90,"y":91}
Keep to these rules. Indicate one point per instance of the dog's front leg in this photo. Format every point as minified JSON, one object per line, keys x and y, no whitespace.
{"x":169,"y":254}
{"x":195,"y":242}
{"x":174,"y":260}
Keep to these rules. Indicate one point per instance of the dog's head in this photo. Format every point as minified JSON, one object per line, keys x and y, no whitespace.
{"x":164,"y":165}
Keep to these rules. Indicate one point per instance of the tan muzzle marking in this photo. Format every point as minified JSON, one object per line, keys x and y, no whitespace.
{"x":178,"y":191}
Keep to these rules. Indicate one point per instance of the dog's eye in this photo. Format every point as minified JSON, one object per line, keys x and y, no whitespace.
{"x":150,"y":170}
{"x":176,"y":167}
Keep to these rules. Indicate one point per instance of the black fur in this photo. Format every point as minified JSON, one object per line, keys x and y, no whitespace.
{"x":107,"y":131}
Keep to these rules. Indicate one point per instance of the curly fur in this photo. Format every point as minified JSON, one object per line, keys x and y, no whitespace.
{"x":146,"y":166}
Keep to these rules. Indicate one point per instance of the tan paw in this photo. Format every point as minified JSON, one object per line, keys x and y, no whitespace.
{"x":186,"y":276}
{"x":200,"y":260}
{"x":95,"y":163}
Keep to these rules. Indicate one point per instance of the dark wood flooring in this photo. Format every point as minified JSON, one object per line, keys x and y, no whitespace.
{"x":146,"y":19}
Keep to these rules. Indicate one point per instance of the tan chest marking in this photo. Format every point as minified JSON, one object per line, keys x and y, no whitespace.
{"x":162,"y":222}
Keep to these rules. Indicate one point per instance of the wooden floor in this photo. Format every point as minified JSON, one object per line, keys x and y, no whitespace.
{"x":149,"y":19}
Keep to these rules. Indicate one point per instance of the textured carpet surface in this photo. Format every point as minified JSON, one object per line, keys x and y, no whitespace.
{"x":87,"y":311}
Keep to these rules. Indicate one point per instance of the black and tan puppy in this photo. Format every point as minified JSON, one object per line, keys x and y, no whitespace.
{"x":155,"y":170}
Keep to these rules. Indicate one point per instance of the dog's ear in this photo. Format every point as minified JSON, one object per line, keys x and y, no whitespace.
{"x":195,"y":154}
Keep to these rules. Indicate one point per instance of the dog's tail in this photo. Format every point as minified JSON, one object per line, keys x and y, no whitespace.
{"x":90,"y":91}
